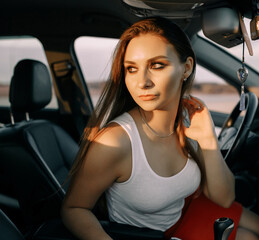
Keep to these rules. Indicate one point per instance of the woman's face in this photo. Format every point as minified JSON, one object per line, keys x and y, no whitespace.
{"x":154,"y":73}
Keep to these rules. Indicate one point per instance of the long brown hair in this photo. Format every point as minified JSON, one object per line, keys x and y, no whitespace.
{"x":116,"y":99}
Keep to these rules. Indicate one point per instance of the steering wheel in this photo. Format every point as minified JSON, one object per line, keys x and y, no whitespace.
{"x":232,"y":138}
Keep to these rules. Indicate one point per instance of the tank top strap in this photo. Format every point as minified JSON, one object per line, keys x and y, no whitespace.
{"x":138,"y":155}
{"x":128,"y":124}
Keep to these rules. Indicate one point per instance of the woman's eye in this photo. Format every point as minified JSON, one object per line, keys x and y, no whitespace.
{"x":131,"y":69}
{"x":157,"y":65}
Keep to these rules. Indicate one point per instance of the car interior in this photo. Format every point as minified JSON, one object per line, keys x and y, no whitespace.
{"x":39,"y":141}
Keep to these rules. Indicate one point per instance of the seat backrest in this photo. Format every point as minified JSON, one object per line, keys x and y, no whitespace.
{"x":36,"y":155}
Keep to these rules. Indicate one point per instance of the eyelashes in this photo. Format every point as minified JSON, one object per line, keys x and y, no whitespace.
{"x":153,"y":66}
{"x":158,"y":65}
{"x":131,"y":69}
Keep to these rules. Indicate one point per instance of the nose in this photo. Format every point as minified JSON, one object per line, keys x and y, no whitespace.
{"x":144,"y":79}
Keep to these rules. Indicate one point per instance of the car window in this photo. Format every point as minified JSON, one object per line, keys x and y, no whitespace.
{"x":14,"y":49}
{"x":94,"y":55}
{"x":218,"y":95}
{"x":252,"y":61}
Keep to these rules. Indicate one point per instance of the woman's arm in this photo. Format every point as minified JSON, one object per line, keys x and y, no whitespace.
{"x":82,"y":223}
{"x":219,"y":180}
{"x":103,"y":165}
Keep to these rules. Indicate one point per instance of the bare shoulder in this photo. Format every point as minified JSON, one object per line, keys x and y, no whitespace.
{"x":114,"y":137}
{"x":109,"y":151}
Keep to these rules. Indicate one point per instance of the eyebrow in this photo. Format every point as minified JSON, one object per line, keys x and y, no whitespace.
{"x":151,"y":59}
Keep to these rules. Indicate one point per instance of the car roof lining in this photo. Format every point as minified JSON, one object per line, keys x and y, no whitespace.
{"x":93,"y":18}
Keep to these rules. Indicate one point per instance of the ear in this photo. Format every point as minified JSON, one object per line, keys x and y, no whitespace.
{"x":188,"y":67}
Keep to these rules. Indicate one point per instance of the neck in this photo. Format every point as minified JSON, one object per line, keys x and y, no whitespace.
{"x":162,"y":122}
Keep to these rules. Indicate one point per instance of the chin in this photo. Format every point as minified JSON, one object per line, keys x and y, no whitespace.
{"x":148,"y":106}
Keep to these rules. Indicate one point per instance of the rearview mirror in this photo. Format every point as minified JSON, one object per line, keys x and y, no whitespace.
{"x":221,"y":25}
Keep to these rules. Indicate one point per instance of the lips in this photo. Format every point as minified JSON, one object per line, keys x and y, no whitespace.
{"x":147,"y":97}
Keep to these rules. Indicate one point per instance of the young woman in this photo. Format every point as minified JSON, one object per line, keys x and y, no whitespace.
{"x":151,"y":148}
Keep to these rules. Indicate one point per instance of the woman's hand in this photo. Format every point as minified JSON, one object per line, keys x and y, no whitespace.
{"x":201,"y":128}
{"x":219,"y":181}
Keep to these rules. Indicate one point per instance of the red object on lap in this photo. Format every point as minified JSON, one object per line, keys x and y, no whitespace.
{"x":199,"y":215}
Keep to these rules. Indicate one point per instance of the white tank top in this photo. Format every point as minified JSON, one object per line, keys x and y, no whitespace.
{"x":147,"y":199}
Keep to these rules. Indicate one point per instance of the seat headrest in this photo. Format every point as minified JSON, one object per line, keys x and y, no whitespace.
{"x":30,"y":88}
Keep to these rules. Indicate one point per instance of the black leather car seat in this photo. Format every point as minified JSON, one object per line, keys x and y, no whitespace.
{"x":36,"y":155}
{"x":8,"y":231}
